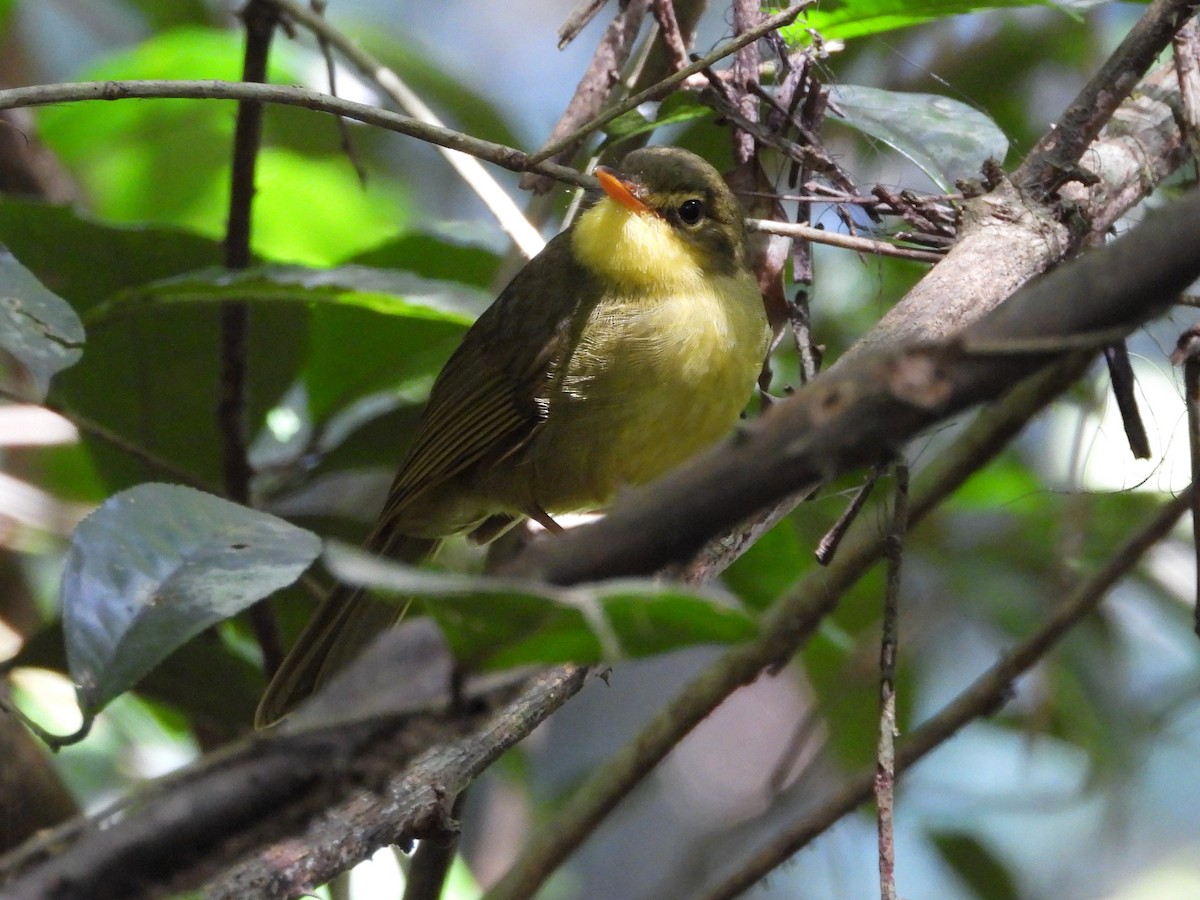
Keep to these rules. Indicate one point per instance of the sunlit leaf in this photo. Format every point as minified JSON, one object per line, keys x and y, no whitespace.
{"x":857,"y":18}
{"x":946,"y":138}
{"x":309,"y":206}
{"x":37,"y":327}
{"x":498,"y":623}
{"x":679,"y":107}
{"x":153,"y":567}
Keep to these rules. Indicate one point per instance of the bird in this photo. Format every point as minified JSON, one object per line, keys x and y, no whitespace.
{"x":632,"y":342}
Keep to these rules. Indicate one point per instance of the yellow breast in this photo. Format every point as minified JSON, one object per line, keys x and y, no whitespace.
{"x":665,"y":363}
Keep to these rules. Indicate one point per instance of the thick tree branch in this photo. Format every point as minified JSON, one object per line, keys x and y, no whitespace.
{"x":1055,"y":160}
{"x":857,"y":414}
{"x":190,"y":825}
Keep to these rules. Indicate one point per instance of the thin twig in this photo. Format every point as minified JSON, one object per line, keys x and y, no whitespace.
{"x":669,"y":33}
{"x":768,"y":25}
{"x":746,"y":15}
{"x":827,"y":546}
{"x":578,"y":20}
{"x":1187,"y":352}
{"x":1120,"y":375}
{"x":1186,"y":46}
{"x":499,"y":154}
{"x":601,"y":81}
{"x":847,"y":241}
{"x":326,"y":48}
{"x":232,"y":425}
{"x":982,"y":698}
{"x":885,"y":761}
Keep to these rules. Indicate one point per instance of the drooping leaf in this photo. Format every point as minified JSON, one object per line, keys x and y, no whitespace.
{"x":500,"y":623}
{"x":37,"y":327}
{"x":154,"y":566}
{"x":225,"y":701}
{"x":380,"y":290}
{"x":947,"y":139}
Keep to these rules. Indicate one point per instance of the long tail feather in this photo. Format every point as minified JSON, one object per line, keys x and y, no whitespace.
{"x":344,"y":623}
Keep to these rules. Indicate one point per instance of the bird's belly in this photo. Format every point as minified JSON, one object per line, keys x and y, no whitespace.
{"x":634,"y":405}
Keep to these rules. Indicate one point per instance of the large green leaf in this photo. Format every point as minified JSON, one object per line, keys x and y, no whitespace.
{"x":379,"y":290}
{"x":499,"y":623}
{"x":438,"y":256}
{"x":37,"y":327}
{"x":370,"y":330}
{"x":156,"y":565}
{"x":151,"y":373}
{"x":946,"y":138}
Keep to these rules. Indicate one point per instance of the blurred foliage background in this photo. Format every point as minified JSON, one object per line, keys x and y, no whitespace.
{"x":1080,"y":787}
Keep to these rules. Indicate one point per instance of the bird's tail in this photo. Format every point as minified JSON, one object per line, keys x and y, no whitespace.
{"x":344,"y":623}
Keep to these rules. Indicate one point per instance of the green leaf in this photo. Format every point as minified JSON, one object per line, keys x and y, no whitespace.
{"x":156,"y":565}
{"x":225,"y":702}
{"x":769,"y":567}
{"x":976,"y":865}
{"x":37,"y":327}
{"x":857,"y":18}
{"x":500,"y":623}
{"x":379,"y":290}
{"x":161,"y":15}
{"x":441,"y":257}
{"x":679,"y":107}
{"x":152,"y":379}
{"x":947,"y":139}
{"x":309,"y":206}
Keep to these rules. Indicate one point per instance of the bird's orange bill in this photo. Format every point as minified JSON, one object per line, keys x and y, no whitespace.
{"x":620,"y":190}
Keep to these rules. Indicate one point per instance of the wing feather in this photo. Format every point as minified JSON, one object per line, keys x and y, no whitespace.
{"x":489,"y":399}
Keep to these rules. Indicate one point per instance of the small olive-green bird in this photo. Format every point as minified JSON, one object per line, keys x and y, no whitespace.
{"x":629,"y":344}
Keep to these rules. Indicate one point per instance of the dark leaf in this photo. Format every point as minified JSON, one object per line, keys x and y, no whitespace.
{"x":498,"y":623}
{"x":946,"y":138}
{"x":37,"y":327}
{"x":153,"y":567}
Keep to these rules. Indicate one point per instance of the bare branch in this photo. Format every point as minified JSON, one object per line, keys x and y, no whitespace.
{"x":1055,"y":160}
{"x":505,"y":157}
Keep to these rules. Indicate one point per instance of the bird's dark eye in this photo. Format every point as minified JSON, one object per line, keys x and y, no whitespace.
{"x":691,"y":211}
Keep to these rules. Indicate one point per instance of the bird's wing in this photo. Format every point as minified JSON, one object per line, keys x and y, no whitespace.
{"x":488,"y":400}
